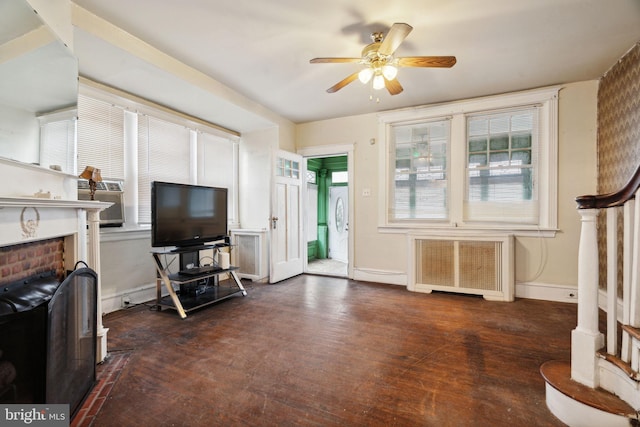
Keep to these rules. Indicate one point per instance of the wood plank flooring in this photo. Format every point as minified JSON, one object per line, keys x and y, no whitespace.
{"x":322,"y":351}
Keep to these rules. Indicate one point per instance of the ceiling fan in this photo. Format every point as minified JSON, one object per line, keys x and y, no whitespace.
{"x":380,"y":64}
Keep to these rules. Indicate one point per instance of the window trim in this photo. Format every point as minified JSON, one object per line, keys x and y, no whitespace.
{"x":546,"y":99}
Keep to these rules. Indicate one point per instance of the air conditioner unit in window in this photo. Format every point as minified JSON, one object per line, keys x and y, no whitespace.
{"x":110,"y":191}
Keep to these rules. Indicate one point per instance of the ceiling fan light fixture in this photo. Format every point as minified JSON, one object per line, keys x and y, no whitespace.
{"x":365,"y":75}
{"x":378,"y":81}
{"x":389,"y":72}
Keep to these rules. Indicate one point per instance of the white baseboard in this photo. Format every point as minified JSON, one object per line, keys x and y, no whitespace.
{"x":137,"y":295}
{"x":380,"y":276}
{"x":547,"y":292}
{"x":541,"y":291}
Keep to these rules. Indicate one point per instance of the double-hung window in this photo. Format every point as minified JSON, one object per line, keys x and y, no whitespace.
{"x":488,"y":163}
{"x":501,"y":167}
{"x":420,"y":176}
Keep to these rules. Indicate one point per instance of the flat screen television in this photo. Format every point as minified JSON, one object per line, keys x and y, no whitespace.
{"x":187,"y":215}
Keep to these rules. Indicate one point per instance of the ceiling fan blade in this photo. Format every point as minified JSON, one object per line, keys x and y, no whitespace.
{"x":396,"y":35}
{"x":334,"y":60}
{"x":393,"y":86}
{"x":427,"y":61}
{"x":342,"y":83}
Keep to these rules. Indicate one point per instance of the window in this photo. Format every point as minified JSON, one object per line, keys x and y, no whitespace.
{"x":163,"y":155}
{"x":488,"y":163}
{"x":501,"y":166}
{"x":311,"y":177}
{"x":420,"y":174}
{"x":339,"y":177}
{"x":140,"y":144}
{"x":287,"y":168}
{"x":58,"y":141}
{"x":100,"y":137}
{"x":218,"y":167}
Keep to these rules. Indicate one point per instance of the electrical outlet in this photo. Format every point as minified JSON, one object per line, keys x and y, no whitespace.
{"x":366,"y":192}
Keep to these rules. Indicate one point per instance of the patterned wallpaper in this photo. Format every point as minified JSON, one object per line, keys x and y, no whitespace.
{"x":619,"y":122}
{"x":618,"y":139}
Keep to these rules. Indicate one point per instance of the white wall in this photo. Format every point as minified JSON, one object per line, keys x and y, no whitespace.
{"x":127,"y":268}
{"x":539,"y":261}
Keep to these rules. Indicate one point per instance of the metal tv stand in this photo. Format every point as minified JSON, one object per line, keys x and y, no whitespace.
{"x":196,"y":290}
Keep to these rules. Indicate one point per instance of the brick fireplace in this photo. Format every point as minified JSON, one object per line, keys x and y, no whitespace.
{"x":29,"y":259}
{"x":39,"y":206}
{"x":35,"y":232}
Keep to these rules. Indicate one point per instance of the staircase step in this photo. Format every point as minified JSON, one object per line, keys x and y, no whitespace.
{"x":558,"y":374}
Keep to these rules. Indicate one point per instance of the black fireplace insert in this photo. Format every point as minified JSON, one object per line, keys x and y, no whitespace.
{"x":48,"y":339}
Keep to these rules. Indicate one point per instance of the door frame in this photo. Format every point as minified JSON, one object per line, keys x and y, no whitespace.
{"x":330,"y":151}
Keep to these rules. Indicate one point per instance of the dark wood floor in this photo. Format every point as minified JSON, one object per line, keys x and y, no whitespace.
{"x":320,"y":351}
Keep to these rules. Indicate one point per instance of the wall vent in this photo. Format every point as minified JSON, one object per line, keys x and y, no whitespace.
{"x":481,"y":265}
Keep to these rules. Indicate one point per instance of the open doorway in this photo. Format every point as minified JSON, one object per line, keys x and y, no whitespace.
{"x":327,"y":209}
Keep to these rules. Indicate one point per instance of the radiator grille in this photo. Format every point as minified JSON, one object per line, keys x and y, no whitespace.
{"x":481,"y":265}
{"x":435,"y":262}
{"x":247,"y":254}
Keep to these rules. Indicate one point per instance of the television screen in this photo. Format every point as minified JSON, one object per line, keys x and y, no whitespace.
{"x":187,"y":215}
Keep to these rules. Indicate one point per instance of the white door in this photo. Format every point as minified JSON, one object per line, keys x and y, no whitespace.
{"x":286,"y":218}
{"x":338,"y":223}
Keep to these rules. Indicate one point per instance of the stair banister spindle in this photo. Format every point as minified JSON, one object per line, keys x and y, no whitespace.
{"x":612,"y":280}
{"x":627,"y":256}
{"x":634,"y":319}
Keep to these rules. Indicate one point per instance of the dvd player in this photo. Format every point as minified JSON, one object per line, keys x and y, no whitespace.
{"x":196,"y":271}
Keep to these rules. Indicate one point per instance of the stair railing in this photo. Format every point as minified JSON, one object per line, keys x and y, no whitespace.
{"x":587,"y":341}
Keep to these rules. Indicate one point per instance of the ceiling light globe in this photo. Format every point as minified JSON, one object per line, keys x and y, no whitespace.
{"x":378,"y":82}
{"x":365,"y":75}
{"x":389,"y":72}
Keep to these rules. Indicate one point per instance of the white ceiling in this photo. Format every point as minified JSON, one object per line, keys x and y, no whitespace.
{"x":260,"y":50}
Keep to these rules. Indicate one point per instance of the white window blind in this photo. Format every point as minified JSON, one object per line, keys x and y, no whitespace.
{"x":217,"y":166}
{"x":58,"y":144}
{"x":419,"y":186}
{"x":216,"y":161}
{"x":502,"y":167}
{"x":100,"y":137}
{"x":163,"y":155}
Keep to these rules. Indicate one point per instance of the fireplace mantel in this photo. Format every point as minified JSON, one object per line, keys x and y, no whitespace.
{"x":41,"y":202}
{"x":29,"y":219}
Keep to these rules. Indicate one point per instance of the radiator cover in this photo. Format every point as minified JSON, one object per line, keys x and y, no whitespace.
{"x":479,"y":264}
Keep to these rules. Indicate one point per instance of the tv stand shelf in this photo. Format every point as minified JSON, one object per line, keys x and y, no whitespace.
{"x":201,"y":291}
